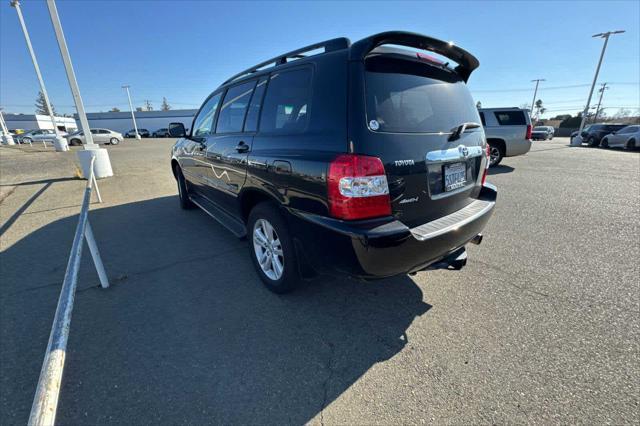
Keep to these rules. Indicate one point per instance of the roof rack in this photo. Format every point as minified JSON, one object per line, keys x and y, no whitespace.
{"x":328,"y":45}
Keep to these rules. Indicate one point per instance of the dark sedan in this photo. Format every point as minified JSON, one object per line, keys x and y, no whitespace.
{"x":161,"y":133}
{"x":542,"y":133}
{"x":594,"y":133}
{"x":144,"y":133}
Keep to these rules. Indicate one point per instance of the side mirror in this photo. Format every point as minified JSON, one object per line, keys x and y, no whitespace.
{"x":177,"y":130}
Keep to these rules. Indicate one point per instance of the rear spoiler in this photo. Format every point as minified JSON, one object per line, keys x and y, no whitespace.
{"x":465,"y":60}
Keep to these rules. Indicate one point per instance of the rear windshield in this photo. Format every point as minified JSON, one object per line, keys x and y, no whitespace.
{"x":413,"y":97}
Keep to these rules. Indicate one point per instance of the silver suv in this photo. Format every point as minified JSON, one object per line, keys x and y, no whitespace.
{"x":508,"y":132}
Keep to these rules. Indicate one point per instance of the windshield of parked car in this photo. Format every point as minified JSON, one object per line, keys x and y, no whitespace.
{"x":408,"y":96}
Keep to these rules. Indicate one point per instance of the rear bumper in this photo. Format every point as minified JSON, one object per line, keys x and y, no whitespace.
{"x":518,"y":147}
{"x":383,"y":248}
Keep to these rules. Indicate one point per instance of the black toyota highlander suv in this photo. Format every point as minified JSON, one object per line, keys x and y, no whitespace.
{"x":364,"y":159}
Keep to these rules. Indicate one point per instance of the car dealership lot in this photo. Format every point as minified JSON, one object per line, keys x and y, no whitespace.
{"x":541,"y":326}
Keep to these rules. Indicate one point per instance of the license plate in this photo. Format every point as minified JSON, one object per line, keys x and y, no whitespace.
{"x":455,"y":176}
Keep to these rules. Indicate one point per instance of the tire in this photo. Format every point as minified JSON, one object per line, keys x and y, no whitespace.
{"x":183,"y":191}
{"x":75,"y":142}
{"x":496,"y":152}
{"x":270,"y":245}
{"x":592,"y":142}
{"x":631,"y":144}
{"x":27,"y":140}
{"x":114,"y":141}
{"x":604,"y":143}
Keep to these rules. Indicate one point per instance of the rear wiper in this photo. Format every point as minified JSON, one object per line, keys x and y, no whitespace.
{"x":459,"y":130}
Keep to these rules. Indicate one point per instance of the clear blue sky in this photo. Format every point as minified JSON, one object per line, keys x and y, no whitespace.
{"x":184,"y":49}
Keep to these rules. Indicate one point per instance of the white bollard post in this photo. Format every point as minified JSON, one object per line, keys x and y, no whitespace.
{"x":7,"y":139}
{"x":577,"y":141}
{"x":101,"y":165}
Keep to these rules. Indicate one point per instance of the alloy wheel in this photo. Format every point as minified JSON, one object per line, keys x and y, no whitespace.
{"x":494,"y":155}
{"x":268,"y":249}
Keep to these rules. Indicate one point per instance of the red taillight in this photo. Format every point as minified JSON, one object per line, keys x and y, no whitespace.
{"x":486,"y":169}
{"x":357,"y":187}
{"x":529,"y":129}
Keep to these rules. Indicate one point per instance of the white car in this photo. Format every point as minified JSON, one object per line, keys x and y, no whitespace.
{"x":99,"y":136}
{"x":627,"y":137}
{"x":43,"y":135}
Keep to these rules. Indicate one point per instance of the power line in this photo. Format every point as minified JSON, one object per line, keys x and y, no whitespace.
{"x":572,"y":86}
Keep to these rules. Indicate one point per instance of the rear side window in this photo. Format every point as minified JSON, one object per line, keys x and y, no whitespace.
{"x":412,"y":97}
{"x":251,"y":124}
{"x":234,"y":108}
{"x":510,"y":118}
{"x":204,"y":121}
{"x":287,"y":102}
{"x":484,"y":123}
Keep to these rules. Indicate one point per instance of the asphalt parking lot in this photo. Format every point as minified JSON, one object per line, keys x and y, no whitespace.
{"x":542,"y":325}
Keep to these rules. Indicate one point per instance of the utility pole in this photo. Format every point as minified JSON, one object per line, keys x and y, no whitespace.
{"x":133,"y":117}
{"x":148,"y":105}
{"x":605,"y":36}
{"x":602,"y":89}
{"x":60,"y":143}
{"x":535,"y":93}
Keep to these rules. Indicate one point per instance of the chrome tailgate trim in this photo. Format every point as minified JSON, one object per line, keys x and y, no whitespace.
{"x":452,"y":221}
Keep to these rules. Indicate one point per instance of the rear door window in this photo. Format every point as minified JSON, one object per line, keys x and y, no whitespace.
{"x":287,"y":102}
{"x":412,"y":97}
{"x":510,"y":118}
{"x":234,"y":108}
{"x":251,"y":124}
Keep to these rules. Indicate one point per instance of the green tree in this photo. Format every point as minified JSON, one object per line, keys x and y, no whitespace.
{"x":41,"y":106}
{"x":115,"y":109}
{"x":165,"y":105}
{"x":478,"y":104}
{"x":539,"y":108}
{"x":571,"y":122}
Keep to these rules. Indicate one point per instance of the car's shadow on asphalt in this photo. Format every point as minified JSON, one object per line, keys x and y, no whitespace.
{"x":187,"y":333}
{"x":500,"y":169}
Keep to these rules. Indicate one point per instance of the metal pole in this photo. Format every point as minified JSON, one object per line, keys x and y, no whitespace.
{"x":68,"y":66}
{"x":133,"y":117}
{"x":595,"y":78}
{"x":95,"y":183}
{"x":45,"y":401}
{"x":535,"y":92}
{"x":602,"y":89}
{"x":7,"y":139}
{"x":61,"y":144}
{"x":95,"y":254}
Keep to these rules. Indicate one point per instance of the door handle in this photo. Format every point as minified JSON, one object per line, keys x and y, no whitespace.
{"x":242,"y":147}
